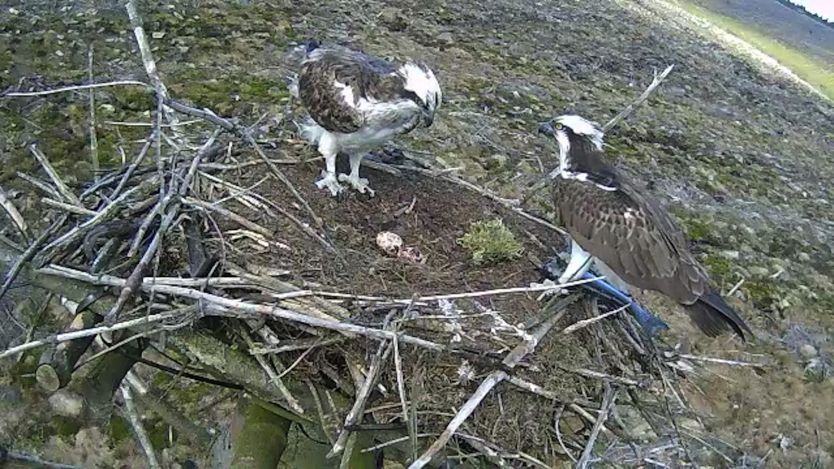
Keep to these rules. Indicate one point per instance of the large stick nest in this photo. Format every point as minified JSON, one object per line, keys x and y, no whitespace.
{"x":217,"y":226}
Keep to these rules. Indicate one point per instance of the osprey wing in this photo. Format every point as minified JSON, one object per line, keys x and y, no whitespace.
{"x":621,"y":231}
{"x":334,"y":80}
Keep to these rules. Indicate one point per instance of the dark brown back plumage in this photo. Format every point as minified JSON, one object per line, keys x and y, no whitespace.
{"x":638,"y":240}
{"x":368,"y":77}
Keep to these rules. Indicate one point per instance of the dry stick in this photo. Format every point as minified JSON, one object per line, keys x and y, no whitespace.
{"x":276,"y":380}
{"x":228,"y":214}
{"x":105,"y":214}
{"x":219,"y":304}
{"x":136,"y":423}
{"x":34,"y":461}
{"x":134,"y":164}
{"x":138,"y":273}
{"x":607,"y":402}
{"x":631,"y":107}
{"x":28,"y":255}
{"x":81,"y":333}
{"x":303,"y":226}
{"x":587,"y":322}
{"x":38,"y":184}
{"x":92,"y":124}
{"x":11,"y":210}
{"x":147,"y":56}
{"x":62,"y":188}
{"x":512,"y":359}
{"x":144,"y":227}
{"x":362,"y":396}
{"x":66,"y":89}
{"x":722,"y":361}
{"x":69,"y":207}
{"x":244,"y":134}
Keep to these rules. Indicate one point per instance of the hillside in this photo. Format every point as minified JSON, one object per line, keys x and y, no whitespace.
{"x":780,"y":22}
{"x":744,"y":160}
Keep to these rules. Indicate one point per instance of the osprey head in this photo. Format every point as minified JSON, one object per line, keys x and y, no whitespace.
{"x":568,"y":128}
{"x":572,"y":131}
{"x":422,"y":87}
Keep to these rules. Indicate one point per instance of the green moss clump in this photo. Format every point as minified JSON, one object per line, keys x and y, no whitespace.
{"x":719,"y":267}
{"x":491,"y":242}
{"x":762,"y":294}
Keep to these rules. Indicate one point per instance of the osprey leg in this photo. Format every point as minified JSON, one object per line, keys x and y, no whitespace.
{"x":358,"y":183}
{"x":327,"y":147}
{"x":580,"y":262}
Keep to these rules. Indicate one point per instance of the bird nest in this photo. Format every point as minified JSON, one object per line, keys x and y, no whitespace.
{"x":211,"y":255}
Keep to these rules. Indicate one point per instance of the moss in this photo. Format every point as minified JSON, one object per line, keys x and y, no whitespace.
{"x":762,"y":293}
{"x":719,"y":267}
{"x":491,"y":242}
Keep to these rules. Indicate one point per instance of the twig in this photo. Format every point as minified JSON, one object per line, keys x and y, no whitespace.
{"x":637,"y":102}
{"x":134,"y":164}
{"x":59,"y":184}
{"x":33,"y":460}
{"x":78,"y":334}
{"x":587,"y":322}
{"x":607,"y":402}
{"x":92,"y":124}
{"x":599,"y":375}
{"x":38,"y":184}
{"x":69,"y":207}
{"x":276,"y":380}
{"x":246,"y":136}
{"x":138,"y":429}
{"x":145,"y":50}
{"x":105,"y":214}
{"x":512,"y":359}
{"x":27,"y":255}
{"x":362,"y":396}
{"x":11,"y":210}
{"x":66,"y":89}
{"x":228,"y":214}
{"x":499,"y":291}
{"x":219,"y":304}
{"x":138,"y":273}
{"x":722,"y":361}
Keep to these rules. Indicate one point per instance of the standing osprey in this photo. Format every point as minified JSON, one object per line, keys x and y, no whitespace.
{"x":627,"y":231}
{"x":357,"y":103}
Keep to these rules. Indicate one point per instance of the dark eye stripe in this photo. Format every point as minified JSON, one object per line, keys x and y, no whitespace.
{"x":407,"y":94}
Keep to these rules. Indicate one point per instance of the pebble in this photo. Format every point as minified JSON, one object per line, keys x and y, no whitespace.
{"x":808,"y":351}
{"x":445,"y":39}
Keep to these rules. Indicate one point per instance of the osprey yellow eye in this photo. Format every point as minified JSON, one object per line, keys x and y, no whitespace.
{"x":559,"y":126}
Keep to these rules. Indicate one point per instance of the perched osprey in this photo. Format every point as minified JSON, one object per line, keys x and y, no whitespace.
{"x":626,"y":232}
{"x":357,"y":103}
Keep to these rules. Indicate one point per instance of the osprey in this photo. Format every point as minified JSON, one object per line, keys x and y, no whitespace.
{"x":632,"y":240}
{"x":357,"y":103}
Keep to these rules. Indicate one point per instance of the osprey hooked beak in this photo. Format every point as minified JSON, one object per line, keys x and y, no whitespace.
{"x":428,"y":117}
{"x":547,"y":129}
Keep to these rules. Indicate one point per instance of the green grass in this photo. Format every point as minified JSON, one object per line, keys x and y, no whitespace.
{"x":815,"y":73}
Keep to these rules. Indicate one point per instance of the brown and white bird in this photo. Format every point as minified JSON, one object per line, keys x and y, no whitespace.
{"x":631,"y":238}
{"x":357,"y":103}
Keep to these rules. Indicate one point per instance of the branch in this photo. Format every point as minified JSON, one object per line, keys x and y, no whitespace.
{"x":512,"y":359}
{"x":136,"y":422}
{"x":640,"y":99}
